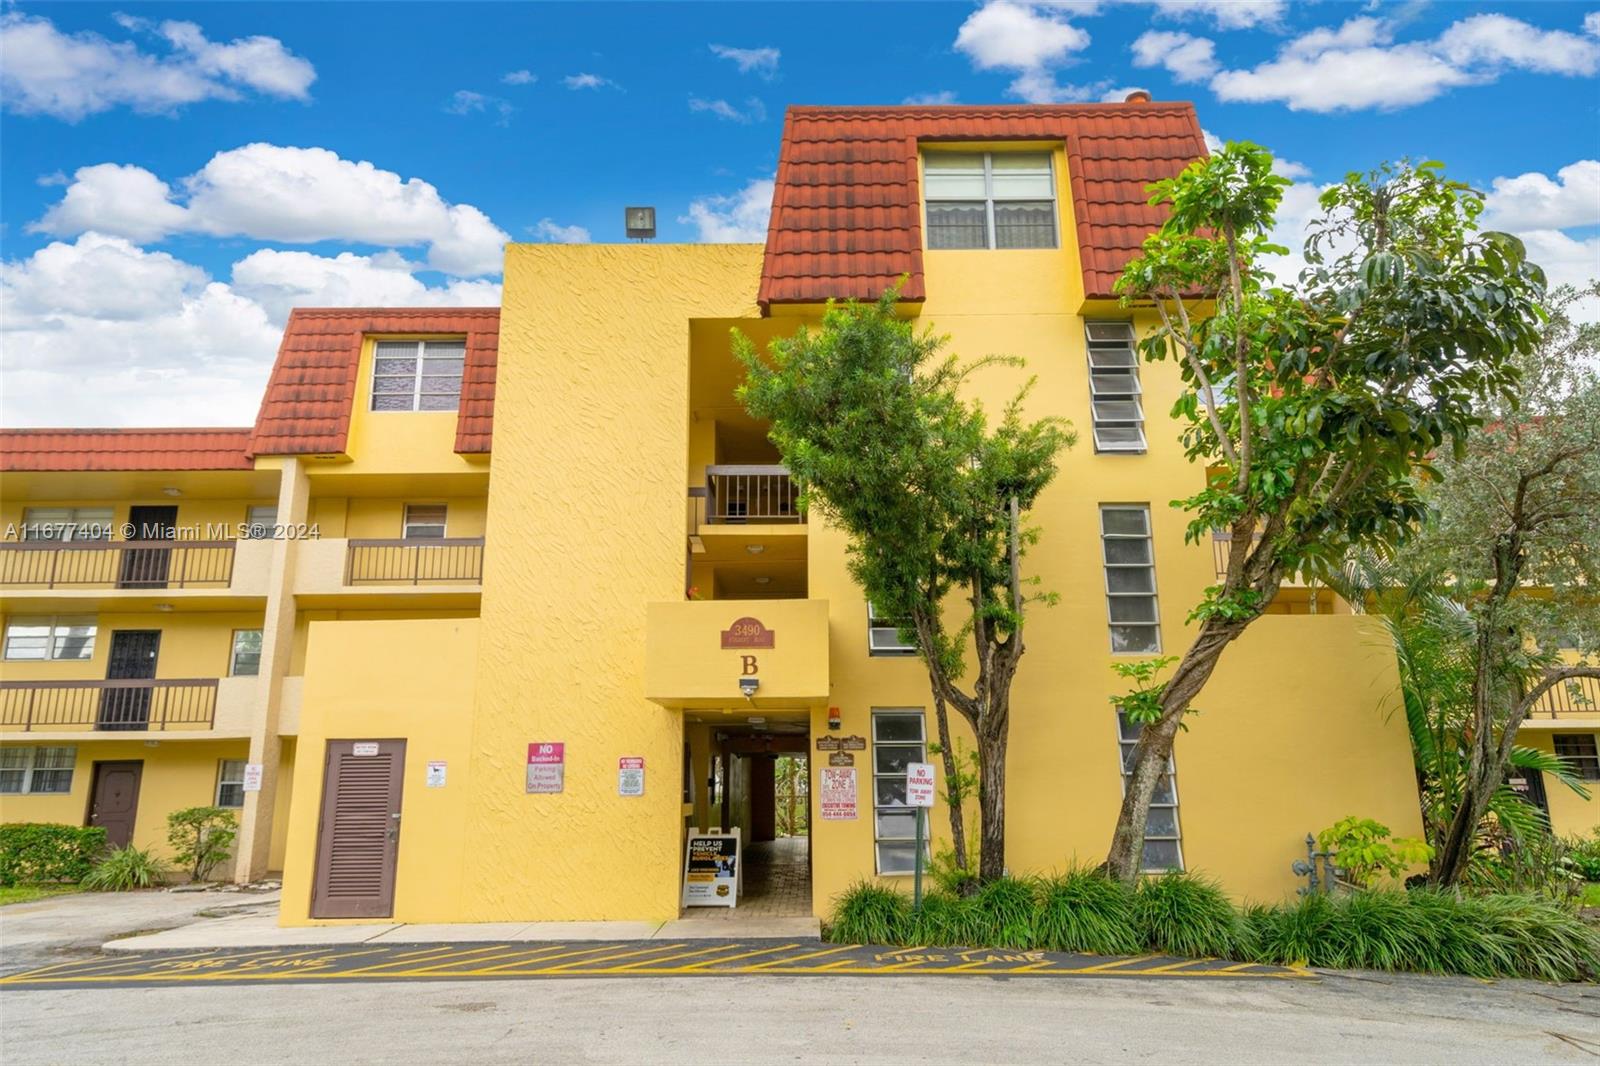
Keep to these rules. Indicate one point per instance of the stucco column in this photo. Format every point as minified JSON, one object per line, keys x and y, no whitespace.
{"x":277,"y":645}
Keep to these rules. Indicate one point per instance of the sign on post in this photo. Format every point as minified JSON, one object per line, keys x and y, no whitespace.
{"x":711,"y":870}
{"x":547,"y":766}
{"x":630,"y":775}
{"x":919,"y":795}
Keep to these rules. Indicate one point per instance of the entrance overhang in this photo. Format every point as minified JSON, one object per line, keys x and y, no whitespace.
{"x":737,"y":653}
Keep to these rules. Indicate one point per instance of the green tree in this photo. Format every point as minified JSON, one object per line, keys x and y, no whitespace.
{"x":870,"y":419}
{"x":201,"y":838}
{"x":1313,"y":406}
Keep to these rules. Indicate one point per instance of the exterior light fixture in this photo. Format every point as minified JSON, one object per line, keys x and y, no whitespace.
{"x":748,"y":686}
{"x":755,"y":549}
{"x":756,"y":719}
{"x":763,"y":580}
{"x":163,"y":606}
{"x":172,"y":490}
{"x":639,"y":222}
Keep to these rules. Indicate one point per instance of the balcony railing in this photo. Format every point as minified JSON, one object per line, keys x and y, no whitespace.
{"x":1575,"y":698}
{"x":741,"y":495}
{"x":444,"y":561}
{"x":120,"y":564}
{"x":142,"y":705}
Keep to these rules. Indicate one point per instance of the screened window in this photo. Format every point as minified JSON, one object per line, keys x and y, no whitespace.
{"x":1580,"y":750}
{"x":417,"y":375}
{"x":1115,"y":409}
{"x":260,"y":522}
{"x":990,"y":200}
{"x":66,"y":523}
{"x":883,"y":636}
{"x":425,"y":521}
{"x":897,"y":741}
{"x":1163,"y":840}
{"x":230,"y":783}
{"x":245,"y":660}
{"x":41,"y":639}
{"x":36,"y":770}
{"x":1130,"y":578}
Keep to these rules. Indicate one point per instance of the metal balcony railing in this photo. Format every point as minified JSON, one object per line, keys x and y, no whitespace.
{"x":741,"y":495}
{"x":120,"y":564}
{"x":1576,"y":698}
{"x":441,"y":561}
{"x":142,"y":705}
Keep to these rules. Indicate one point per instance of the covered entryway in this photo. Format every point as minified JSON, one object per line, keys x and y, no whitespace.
{"x":358,"y":836}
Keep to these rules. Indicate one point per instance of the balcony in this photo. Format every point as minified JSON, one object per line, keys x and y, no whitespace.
{"x":399,"y":574}
{"x":136,"y":706}
{"x":698,"y":652}
{"x":1571,"y":700}
{"x":129,"y":574}
{"x":747,"y":495}
{"x":449,"y":560}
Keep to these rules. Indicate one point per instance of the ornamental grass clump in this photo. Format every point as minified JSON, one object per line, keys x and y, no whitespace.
{"x":1186,"y":915}
{"x":871,"y":914}
{"x":127,"y":868}
{"x":1001,"y":913}
{"x":1082,"y":910}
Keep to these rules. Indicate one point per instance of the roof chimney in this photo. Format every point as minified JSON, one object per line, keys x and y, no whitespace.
{"x":1138,"y":96}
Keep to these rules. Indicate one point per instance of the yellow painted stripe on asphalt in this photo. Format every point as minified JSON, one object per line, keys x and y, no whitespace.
{"x":797,"y":958}
{"x":441,"y":955}
{"x":545,"y":958}
{"x":610,"y":958}
{"x":735,"y":958}
{"x":670,"y":958}
{"x":522,"y":955}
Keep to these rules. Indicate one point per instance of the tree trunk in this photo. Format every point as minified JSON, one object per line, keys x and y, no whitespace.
{"x":947,"y":755}
{"x":1151,"y":754}
{"x":992,"y":799}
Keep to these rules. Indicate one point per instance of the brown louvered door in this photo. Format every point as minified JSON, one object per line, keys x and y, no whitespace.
{"x":358,"y":837}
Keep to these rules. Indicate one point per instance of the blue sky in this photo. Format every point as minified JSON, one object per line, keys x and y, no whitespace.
{"x":177,"y":175}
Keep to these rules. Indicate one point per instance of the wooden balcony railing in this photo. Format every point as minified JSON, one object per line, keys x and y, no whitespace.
{"x":1576,"y":698}
{"x":742,"y":495}
{"x":443,"y":561}
{"x":142,"y":705}
{"x":119,"y":564}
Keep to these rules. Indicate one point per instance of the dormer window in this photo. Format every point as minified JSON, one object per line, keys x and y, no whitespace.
{"x":990,"y":199}
{"x":418,"y":375}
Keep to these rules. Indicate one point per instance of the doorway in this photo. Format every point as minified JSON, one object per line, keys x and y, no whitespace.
{"x":358,"y":834}
{"x":132,"y":658}
{"x":114,"y":800}
{"x":146,"y":568}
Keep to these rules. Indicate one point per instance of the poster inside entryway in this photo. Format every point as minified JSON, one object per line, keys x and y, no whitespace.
{"x":711,"y":870}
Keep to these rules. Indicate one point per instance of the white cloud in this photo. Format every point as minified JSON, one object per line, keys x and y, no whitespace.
{"x":1567,"y":260}
{"x":102,"y":332}
{"x":942,"y":97}
{"x":1213,"y":142}
{"x":763,"y":61}
{"x":1186,"y":58}
{"x":1358,"y":65}
{"x":737,"y":219}
{"x":467,"y":102}
{"x":519,"y":77}
{"x":588,"y":81}
{"x":1591,"y":23}
{"x":1121,"y":93}
{"x":754,"y":109}
{"x":295,"y":195}
{"x":553,"y":232}
{"x":1226,"y":14}
{"x":1534,"y":201}
{"x":1005,"y":35}
{"x":70,"y":76}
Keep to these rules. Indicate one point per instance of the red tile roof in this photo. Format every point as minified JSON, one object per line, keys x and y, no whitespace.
{"x":306,"y":410}
{"x":123,"y":449}
{"x":846,"y":218}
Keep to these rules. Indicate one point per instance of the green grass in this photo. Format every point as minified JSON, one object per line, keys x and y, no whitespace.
{"x":29,"y":893}
{"x":1591,"y":894}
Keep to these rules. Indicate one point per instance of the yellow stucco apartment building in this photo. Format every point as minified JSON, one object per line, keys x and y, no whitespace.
{"x":472,"y":569}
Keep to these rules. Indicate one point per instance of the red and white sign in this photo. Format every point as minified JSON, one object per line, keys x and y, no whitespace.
{"x":919,"y":784}
{"x":630,"y":775}
{"x":838,"y":793}
{"x":547,"y":767}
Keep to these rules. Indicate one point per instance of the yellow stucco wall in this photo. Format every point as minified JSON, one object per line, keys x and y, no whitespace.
{"x":194,"y":644}
{"x":1570,"y":813}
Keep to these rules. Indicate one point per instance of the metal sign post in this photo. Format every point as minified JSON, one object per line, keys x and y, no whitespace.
{"x":919,"y":796}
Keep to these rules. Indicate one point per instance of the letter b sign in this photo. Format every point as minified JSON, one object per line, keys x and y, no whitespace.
{"x":749,"y":663}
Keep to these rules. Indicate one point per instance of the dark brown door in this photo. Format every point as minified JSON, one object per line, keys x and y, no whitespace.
{"x":132,"y":658}
{"x":114,"y":800}
{"x":358,"y":837}
{"x":146,"y":568}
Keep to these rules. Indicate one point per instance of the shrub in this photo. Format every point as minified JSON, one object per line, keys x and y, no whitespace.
{"x":42,"y":851}
{"x":871,"y":914}
{"x":201,"y":838}
{"x":1001,"y":914}
{"x":945,"y":921}
{"x":1366,"y":848}
{"x":1082,"y":910}
{"x":1184,"y":914}
{"x":127,"y":868}
{"x":1584,"y":853}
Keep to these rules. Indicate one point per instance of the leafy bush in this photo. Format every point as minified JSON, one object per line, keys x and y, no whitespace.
{"x":1001,"y":914}
{"x":1082,"y":910}
{"x":1584,"y":852}
{"x":201,"y":838}
{"x":871,"y":914}
{"x":127,"y":868}
{"x":1507,"y":862}
{"x":949,"y":877}
{"x":42,"y":851}
{"x":1184,"y":914}
{"x":1367,"y":848}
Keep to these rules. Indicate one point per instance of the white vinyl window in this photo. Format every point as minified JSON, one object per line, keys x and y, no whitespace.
{"x":245,"y":659}
{"x":36,"y":770}
{"x":425,"y":521}
{"x":230,"y":783}
{"x":260,"y":522}
{"x":66,"y":523}
{"x":1115,"y":408}
{"x":898,"y":739}
{"x":883,"y":636}
{"x":417,"y":375}
{"x":1130,"y":566}
{"x":44,"y":638}
{"x":990,"y":199}
{"x":1163,"y":840}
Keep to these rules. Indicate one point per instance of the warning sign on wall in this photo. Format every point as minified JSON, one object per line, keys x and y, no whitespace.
{"x":838,"y":793}
{"x":630,"y":775}
{"x":547,"y":766}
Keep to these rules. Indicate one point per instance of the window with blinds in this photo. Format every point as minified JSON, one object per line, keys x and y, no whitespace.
{"x":1163,"y":841}
{"x":66,"y":523}
{"x":230,"y":783}
{"x":1117,"y":415}
{"x":425,"y":521}
{"x":1130,"y":578}
{"x":990,"y":199}
{"x":418,"y":375}
{"x":36,"y":770}
{"x":46,"y":638}
{"x":883,"y":635}
{"x":898,"y":739}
